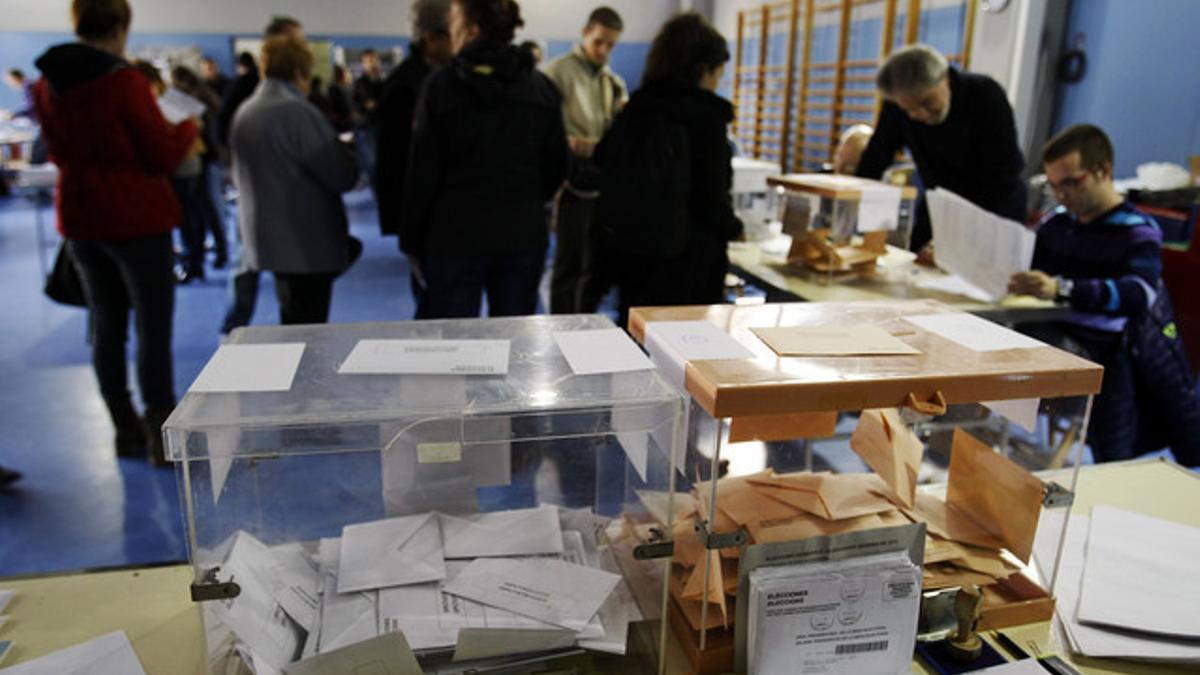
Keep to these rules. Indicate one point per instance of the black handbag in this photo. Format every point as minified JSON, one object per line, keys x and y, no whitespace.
{"x":63,"y":284}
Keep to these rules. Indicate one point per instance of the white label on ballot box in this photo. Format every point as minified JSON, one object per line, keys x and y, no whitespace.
{"x":439,"y":453}
{"x":427,"y":357}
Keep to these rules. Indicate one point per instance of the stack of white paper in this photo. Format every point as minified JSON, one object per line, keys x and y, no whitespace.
{"x":392,"y":552}
{"x":848,"y":616}
{"x":977,"y":245}
{"x":1155,"y":586}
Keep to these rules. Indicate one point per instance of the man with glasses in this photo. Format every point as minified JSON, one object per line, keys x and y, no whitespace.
{"x":959,"y":129}
{"x":1102,"y":257}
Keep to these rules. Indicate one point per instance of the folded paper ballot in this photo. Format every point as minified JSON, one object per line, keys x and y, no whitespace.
{"x":383,"y":655}
{"x":995,"y":492}
{"x":109,"y":654}
{"x":548,"y":590}
{"x":889,"y":447}
{"x":391,"y":552}
{"x":832,"y":497}
{"x":857,"y":615}
{"x":533,"y":531}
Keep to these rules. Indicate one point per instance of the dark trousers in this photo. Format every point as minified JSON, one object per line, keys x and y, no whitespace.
{"x":190,"y":191}
{"x":117,"y":277}
{"x":576,"y":284}
{"x":454,"y":285}
{"x":304,"y":298}
{"x":214,"y":223}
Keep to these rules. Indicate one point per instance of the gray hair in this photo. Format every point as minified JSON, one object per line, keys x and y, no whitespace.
{"x":911,"y":70}
{"x":430,"y":17}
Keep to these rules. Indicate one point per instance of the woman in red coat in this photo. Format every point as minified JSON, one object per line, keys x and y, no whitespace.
{"x":116,"y":210}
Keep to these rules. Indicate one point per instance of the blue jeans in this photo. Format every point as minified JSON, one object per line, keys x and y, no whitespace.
{"x":454,"y":285}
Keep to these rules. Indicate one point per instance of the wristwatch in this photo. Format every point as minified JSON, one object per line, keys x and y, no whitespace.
{"x":1065,"y":288}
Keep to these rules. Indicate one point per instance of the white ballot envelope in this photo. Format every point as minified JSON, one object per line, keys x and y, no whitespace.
{"x":533,"y":531}
{"x":548,"y":590}
{"x":391,"y":552}
{"x":110,"y":654}
{"x":851,"y":616}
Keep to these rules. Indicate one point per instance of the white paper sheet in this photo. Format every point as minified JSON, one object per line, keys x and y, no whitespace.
{"x":1140,"y":574}
{"x":954,"y":285}
{"x":608,"y":350}
{"x":290,"y":575}
{"x":427,"y":357}
{"x":383,"y":655}
{"x":617,"y":612}
{"x":879,"y":208}
{"x":672,"y":344}
{"x":973,"y":332}
{"x":502,"y":533}
{"x":976,"y":244}
{"x":110,"y":654}
{"x":1022,"y":412}
{"x":346,"y":618}
{"x":177,"y":106}
{"x":1022,"y":667}
{"x":1096,"y":641}
{"x":552,"y":591}
{"x":391,"y":552}
{"x":250,"y":368}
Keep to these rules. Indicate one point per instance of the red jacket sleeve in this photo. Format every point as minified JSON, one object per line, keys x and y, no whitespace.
{"x":159,"y":145}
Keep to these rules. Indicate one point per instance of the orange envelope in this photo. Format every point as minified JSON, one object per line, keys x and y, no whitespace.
{"x":830,"y":496}
{"x":694,"y":589}
{"x":994,"y":492}
{"x":889,"y":447}
{"x":808,"y":526}
{"x":689,"y":550}
{"x":942,"y":550}
{"x":746,"y":502}
{"x":945,"y":575}
{"x":948,"y":522}
{"x":783,"y":427}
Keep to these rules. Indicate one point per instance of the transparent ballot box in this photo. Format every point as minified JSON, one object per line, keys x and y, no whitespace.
{"x":752,"y":197}
{"x":841,"y":225}
{"x":811,"y":422}
{"x":454,"y":482}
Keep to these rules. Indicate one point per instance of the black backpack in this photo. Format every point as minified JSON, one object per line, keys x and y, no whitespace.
{"x":644,"y":192}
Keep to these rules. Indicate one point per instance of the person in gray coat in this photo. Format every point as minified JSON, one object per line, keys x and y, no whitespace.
{"x":290,"y":170}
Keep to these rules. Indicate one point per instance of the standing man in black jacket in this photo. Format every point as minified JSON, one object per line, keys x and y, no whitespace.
{"x":488,"y":150}
{"x":959,"y":128}
{"x":398,"y":103}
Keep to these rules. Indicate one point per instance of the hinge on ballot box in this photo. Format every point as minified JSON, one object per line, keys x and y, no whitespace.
{"x":210,"y":588}
{"x":1056,"y":496}
{"x":658,"y":547}
{"x":712,"y":540}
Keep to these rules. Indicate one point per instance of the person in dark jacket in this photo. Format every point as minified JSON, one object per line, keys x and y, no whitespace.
{"x":684,"y":66}
{"x":187,"y":81}
{"x":340,"y":99}
{"x":213,"y":77}
{"x":1102,"y":257}
{"x":116,"y":209}
{"x":959,"y":128}
{"x":488,"y":151}
{"x":398,"y":103}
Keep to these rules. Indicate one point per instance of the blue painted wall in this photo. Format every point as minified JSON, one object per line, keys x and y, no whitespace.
{"x":20,"y":49}
{"x":1143,"y":79}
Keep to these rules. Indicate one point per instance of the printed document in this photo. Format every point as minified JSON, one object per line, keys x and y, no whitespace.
{"x":250,"y":368}
{"x":851,"y":616}
{"x":978,"y":245}
{"x":608,"y":350}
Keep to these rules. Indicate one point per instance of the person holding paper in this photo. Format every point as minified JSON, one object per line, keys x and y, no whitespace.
{"x":1101,"y":256}
{"x":488,"y":151}
{"x":290,"y":170}
{"x":115,"y":151}
{"x":959,"y":129}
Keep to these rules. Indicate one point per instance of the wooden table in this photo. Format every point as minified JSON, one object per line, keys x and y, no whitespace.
{"x":894,"y":281}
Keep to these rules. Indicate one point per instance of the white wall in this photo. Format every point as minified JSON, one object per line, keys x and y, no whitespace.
{"x":544,"y":19}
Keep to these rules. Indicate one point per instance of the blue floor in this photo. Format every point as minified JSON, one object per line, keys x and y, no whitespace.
{"x":78,"y":507}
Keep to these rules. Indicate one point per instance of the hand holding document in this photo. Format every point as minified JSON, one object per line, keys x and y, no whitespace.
{"x":977,"y":245}
{"x":177,"y":106}
{"x":392,"y":552}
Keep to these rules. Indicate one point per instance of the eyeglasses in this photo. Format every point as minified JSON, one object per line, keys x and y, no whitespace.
{"x":1068,"y":183}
